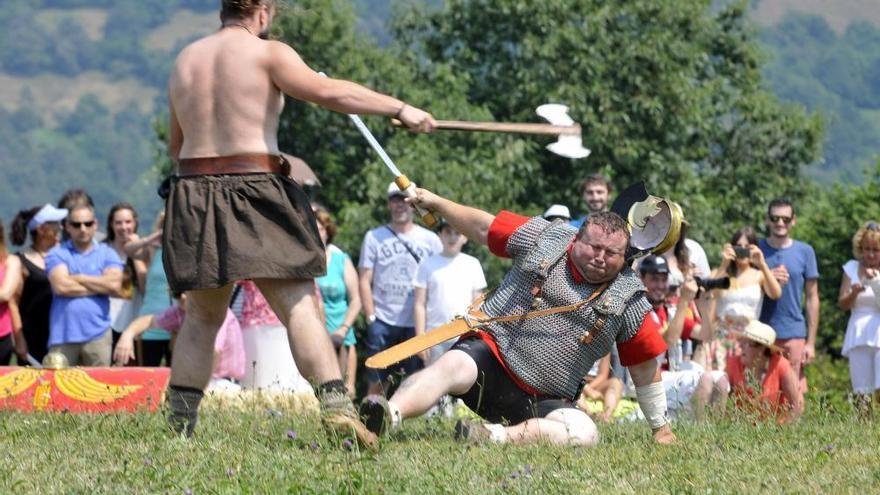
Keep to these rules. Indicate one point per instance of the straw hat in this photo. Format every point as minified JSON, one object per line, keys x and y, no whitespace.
{"x":761,"y":333}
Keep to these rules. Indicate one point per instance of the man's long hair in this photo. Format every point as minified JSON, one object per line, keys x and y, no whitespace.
{"x":240,"y":9}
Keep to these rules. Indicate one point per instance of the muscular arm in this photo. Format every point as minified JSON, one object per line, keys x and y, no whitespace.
{"x":108,"y":283}
{"x":293,"y":77}
{"x":12,"y":280}
{"x":365,"y":281}
{"x":473,"y":223}
{"x":63,"y":284}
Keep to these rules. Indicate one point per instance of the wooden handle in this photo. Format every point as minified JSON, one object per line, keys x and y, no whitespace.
{"x":464,"y":125}
{"x":408,"y":188}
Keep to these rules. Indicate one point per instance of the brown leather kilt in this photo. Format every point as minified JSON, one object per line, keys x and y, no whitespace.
{"x":220,"y":228}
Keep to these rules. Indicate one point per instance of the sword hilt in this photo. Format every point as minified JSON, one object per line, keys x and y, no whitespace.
{"x":409,"y":189}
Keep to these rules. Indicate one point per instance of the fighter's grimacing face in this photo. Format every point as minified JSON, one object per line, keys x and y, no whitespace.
{"x":599,"y":255}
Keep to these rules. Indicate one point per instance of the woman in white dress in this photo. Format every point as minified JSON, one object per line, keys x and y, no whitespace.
{"x":750,"y":281}
{"x":860,"y":293}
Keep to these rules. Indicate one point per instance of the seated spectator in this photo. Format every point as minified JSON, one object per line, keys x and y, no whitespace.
{"x":774,"y":391}
{"x":269,"y":362}
{"x":602,"y":385}
{"x":860,"y":294}
{"x":83,"y":274}
{"x":557,"y":212}
{"x":229,"y":366}
{"x":341,"y":298}
{"x":750,"y":281}
{"x":34,"y":299}
{"x":688,"y":387}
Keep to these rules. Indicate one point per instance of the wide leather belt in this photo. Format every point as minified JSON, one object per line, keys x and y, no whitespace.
{"x":233,"y":164}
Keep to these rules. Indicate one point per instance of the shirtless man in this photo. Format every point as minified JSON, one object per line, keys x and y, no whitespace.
{"x":233,"y":214}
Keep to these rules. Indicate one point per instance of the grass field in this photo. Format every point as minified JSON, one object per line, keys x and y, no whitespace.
{"x":265,"y":450}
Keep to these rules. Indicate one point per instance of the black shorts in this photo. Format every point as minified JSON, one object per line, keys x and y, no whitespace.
{"x":495,"y":396}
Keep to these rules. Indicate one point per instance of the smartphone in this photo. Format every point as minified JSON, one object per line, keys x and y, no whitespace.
{"x":741,"y":251}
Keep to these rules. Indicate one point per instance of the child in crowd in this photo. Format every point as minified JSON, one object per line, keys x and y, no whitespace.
{"x":229,"y":360}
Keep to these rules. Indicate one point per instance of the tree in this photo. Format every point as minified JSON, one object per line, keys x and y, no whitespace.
{"x":667,"y":92}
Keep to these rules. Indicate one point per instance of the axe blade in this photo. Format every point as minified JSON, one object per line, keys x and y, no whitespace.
{"x":568,"y":145}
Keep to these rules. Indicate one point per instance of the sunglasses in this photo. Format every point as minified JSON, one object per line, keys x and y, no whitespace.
{"x":777,"y":218}
{"x":873,"y":226}
{"x":89,"y":224}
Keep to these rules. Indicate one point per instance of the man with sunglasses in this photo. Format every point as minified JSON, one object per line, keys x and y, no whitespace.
{"x":794,"y":266}
{"x":83,"y":274}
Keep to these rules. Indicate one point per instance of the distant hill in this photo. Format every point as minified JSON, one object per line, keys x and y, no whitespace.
{"x":82,"y":82}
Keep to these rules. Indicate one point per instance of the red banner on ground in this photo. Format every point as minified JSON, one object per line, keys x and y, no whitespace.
{"x":82,"y":390}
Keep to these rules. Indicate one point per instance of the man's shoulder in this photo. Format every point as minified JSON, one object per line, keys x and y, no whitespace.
{"x":803,"y":246}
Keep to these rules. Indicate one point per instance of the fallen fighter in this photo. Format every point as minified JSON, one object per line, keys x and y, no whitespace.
{"x":524,"y":375}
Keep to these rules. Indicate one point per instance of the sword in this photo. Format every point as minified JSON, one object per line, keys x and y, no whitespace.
{"x":403,"y":183}
{"x":419,"y":343}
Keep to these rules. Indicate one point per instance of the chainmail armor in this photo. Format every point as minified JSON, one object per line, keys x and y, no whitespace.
{"x":546,"y":352}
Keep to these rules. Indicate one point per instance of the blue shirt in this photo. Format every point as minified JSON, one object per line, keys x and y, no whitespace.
{"x":577,"y":222}
{"x":74,"y":320}
{"x":786,"y":315}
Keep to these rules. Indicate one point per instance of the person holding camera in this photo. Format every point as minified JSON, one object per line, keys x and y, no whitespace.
{"x":688,"y":387}
{"x":794,"y":266}
{"x":751,"y":280}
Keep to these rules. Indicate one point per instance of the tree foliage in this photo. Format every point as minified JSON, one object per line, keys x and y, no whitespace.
{"x":837,"y":75}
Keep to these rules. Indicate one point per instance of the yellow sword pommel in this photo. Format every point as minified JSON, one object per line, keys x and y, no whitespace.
{"x":417,"y":344}
{"x":408,"y":188}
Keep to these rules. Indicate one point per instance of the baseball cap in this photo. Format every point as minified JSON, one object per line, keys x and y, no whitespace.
{"x":654,"y":264}
{"x":393,"y":190}
{"x":47,"y":213}
{"x":557,"y":211}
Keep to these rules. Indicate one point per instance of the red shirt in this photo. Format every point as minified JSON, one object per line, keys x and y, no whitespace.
{"x":643,"y":346}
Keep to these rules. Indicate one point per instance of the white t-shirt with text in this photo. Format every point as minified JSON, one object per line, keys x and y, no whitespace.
{"x":394,"y":269}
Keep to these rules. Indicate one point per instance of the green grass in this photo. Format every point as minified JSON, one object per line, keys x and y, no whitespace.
{"x":249,"y":451}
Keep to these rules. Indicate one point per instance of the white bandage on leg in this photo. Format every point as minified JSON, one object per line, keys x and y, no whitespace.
{"x":652,"y":400}
{"x":499,"y":434}
{"x":396,"y":417}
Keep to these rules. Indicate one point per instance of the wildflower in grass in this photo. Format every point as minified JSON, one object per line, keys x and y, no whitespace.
{"x":148,"y":462}
{"x":292,"y":435}
{"x":347,"y":444}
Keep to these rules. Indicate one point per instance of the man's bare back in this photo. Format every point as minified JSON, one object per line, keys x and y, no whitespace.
{"x":224,"y":97}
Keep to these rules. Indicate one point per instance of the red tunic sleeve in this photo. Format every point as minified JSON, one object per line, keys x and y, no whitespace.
{"x":504,"y":225}
{"x":646,"y":344}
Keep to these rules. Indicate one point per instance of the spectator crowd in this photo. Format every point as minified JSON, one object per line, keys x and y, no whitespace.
{"x":742,"y":332}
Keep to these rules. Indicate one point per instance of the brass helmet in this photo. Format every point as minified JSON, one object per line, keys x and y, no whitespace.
{"x":55,"y":360}
{"x":654,"y":222}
